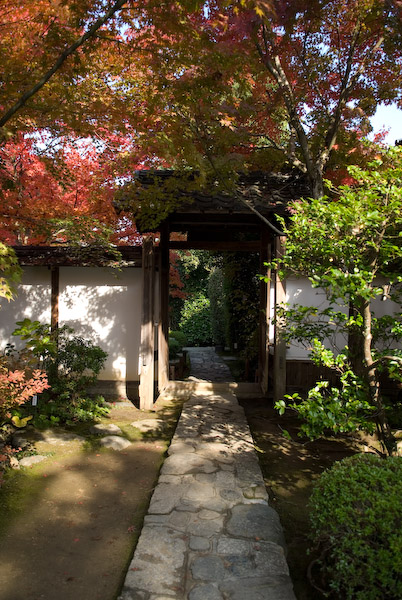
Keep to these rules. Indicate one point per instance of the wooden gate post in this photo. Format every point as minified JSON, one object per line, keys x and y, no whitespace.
{"x":163,"y":345}
{"x":54,"y":298}
{"x":280,"y":344}
{"x":147,"y":359}
{"x":265,"y":309}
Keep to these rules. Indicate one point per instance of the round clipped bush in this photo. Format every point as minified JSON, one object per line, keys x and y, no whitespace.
{"x":356,"y":519}
{"x":195,"y":320}
{"x":174,"y":347}
{"x":179,"y":336}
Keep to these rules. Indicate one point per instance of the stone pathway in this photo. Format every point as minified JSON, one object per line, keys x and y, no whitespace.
{"x":209,"y":533}
{"x":206,"y":365}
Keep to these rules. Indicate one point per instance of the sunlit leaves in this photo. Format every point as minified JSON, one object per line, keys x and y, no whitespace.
{"x":351,"y":247}
{"x":64,"y":197}
{"x":10,"y":272}
{"x":342,"y":244}
{"x":221,"y":87}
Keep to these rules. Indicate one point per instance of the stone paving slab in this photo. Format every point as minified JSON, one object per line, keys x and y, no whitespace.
{"x":206,"y":365}
{"x":210,"y":533}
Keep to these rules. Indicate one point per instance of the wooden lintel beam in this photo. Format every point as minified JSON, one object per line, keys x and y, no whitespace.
{"x":253,"y":246}
{"x":212,"y":219}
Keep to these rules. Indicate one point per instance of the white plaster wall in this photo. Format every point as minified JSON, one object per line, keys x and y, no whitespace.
{"x":384,"y":307}
{"x":32,"y":302}
{"x":300,"y":291}
{"x":104,"y":306}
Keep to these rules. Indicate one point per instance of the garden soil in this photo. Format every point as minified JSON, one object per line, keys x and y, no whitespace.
{"x":75,"y":517}
{"x":290,"y":466}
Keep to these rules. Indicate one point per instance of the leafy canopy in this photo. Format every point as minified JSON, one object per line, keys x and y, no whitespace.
{"x":344,"y":242}
{"x":219,"y":87}
{"x":351,"y":246}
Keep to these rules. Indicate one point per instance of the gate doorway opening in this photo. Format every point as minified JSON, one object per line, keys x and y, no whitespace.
{"x":245,"y":221}
{"x":214,"y":305}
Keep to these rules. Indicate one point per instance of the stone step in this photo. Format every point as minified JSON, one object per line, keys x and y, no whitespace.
{"x":241,"y":389}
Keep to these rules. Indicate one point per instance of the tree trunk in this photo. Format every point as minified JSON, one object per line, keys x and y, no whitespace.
{"x":384,"y":431}
{"x":316,"y":183}
{"x":356,"y":343}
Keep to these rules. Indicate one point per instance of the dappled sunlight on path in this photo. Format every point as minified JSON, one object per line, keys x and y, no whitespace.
{"x":206,"y":365}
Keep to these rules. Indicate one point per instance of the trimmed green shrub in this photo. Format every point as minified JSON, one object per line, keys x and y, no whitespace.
{"x":177,"y":339}
{"x":174,"y":347}
{"x":217,"y":308}
{"x":241,"y":306}
{"x":356,"y":519}
{"x":179,"y":336}
{"x":195,"y":320}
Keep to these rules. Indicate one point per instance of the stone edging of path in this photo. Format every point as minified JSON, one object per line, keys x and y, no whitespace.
{"x":209,"y":533}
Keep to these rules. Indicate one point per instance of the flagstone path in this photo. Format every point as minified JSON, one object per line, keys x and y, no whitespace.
{"x":206,"y":365}
{"x":210,"y":533}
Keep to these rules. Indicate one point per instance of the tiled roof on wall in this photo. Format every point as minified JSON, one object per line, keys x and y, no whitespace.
{"x":266,"y":192}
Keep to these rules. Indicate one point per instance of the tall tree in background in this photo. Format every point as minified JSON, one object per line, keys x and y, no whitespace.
{"x":219,"y":87}
{"x":271,"y":85}
{"x":332,"y":63}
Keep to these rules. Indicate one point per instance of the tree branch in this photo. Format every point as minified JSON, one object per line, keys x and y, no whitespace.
{"x":62,"y":58}
{"x":308,"y":74}
{"x":348,"y":83}
{"x":275,"y":68}
{"x":387,"y":358}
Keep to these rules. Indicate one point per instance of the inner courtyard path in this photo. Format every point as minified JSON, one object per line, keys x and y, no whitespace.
{"x":206,"y":365}
{"x":210,"y":533}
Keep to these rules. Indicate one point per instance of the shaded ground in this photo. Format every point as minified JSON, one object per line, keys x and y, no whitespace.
{"x":68,"y":525}
{"x":290,"y":467}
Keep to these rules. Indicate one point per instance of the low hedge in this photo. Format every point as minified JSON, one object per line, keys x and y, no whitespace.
{"x":195,"y":320}
{"x":356,"y":521}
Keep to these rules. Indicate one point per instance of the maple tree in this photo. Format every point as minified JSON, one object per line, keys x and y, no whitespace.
{"x":332,"y":63}
{"x":350,"y":248}
{"x":45,"y":49}
{"x":74,"y":67}
{"x":41,"y":203}
{"x":274,"y":85}
{"x":54,"y":186}
{"x":219,"y":87}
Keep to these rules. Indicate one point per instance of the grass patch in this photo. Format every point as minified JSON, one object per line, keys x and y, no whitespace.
{"x":19,"y":491}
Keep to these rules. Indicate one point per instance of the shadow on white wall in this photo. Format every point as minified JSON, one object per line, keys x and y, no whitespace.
{"x":101,"y":305}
